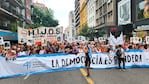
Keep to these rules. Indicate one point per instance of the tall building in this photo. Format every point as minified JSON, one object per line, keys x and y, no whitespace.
{"x":10,"y":15}
{"x":28,"y":11}
{"x":72,"y":25}
{"x":91,"y":13}
{"x":77,"y":14}
{"x":71,"y":31}
{"x":141,"y":23}
{"x":126,"y":14}
{"x":83,"y":13}
{"x":10,"y":11}
{"x":105,"y":15}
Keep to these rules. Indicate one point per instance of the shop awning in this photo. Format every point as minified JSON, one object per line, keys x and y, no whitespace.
{"x":10,"y":36}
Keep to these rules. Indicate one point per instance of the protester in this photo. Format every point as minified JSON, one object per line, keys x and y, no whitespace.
{"x":88,"y":60}
{"x":121,"y":57}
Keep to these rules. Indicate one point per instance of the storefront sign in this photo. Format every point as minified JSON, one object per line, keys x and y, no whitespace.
{"x":143,"y":27}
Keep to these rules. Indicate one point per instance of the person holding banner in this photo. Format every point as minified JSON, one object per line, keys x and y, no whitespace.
{"x":121,"y":57}
{"x":87,"y":52}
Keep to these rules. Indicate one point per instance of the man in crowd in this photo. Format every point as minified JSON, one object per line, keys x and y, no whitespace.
{"x":121,"y":57}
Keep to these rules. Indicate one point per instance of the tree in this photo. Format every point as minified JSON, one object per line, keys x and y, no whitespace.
{"x":14,"y":27}
{"x":87,"y":32}
{"x":43,"y":17}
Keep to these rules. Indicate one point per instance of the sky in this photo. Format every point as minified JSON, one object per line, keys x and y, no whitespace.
{"x":61,"y":9}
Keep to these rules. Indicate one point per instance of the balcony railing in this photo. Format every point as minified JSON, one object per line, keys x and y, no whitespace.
{"x":10,"y":9}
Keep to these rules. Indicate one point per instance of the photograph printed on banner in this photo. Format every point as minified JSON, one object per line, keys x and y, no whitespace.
{"x":7,"y":45}
{"x":1,"y":41}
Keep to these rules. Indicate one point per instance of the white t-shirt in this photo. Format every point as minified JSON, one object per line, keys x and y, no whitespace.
{"x":22,"y":53}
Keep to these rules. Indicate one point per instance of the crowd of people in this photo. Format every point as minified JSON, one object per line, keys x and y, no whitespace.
{"x":71,"y":48}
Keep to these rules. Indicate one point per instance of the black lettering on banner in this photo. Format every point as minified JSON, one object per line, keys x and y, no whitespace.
{"x":67,"y":60}
{"x":57,"y":63}
{"x":37,"y":32}
{"x":72,"y":61}
{"x":78,"y":60}
{"x":51,"y":31}
{"x":44,"y":32}
{"x":110,"y":61}
{"x":93,"y":59}
{"x":136,"y":58}
{"x":106,"y":61}
{"x":57,"y":30}
{"x":97,"y":59}
{"x":53,"y":63}
{"x":82,"y":59}
{"x":132,"y":58}
{"x":29,"y":32}
{"x":128,"y":58}
{"x":140,"y":58}
{"x":63,"y":63}
{"x":100,"y":60}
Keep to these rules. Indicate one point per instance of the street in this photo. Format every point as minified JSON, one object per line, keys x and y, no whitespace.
{"x":104,"y":76}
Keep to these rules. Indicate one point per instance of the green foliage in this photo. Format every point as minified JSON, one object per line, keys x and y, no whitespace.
{"x":101,"y":33}
{"x":43,"y":17}
{"x":91,"y":32}
{"x":87,"y":32}
{"x":13,"y":27}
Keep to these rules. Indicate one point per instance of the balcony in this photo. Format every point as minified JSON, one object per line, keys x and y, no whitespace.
{"x":16,"y":2}
{"x":10,"y":10}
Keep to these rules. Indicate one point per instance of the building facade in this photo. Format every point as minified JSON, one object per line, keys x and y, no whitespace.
{"x":91,"y":13}
{"x":10,"y":11}
{"x":12,"y":15}
{"x":77,"y":14}
{"x":28,"y":11}
{"x":72,"y":31}
{"x":105,"y":15}
{"x":141,"y":25}
{"x":83,"y":14}
{"x":126,"y":16}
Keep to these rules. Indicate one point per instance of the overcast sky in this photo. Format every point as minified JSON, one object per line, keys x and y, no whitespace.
{"x":61,"y":9}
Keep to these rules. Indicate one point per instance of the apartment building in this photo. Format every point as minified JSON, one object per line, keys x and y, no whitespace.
{"x":91,"y":13}
{"x":105,"y":15}
{"x":10,"y":11}
{"x":83,"y":13}
{"x":72,"y":31}
{"x":10,"y":17}
{"x":28,"y":11}
{"x":77,"y":14}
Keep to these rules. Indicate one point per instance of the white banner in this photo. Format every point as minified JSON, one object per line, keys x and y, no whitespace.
{"x":147,"y":39}
{"x":59,"y":62}
{"x":38,"y":35}
{"x":136,"y":40}
{"x":1,"y":41}
{"x":116,"y":41}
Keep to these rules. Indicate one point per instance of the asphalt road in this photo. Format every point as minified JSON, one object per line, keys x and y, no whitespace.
{"x":105,"y":76}
{"x":115,"y":76}
{"x":65,"y":77}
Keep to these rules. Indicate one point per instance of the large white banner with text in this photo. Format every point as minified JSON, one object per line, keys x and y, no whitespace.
{"x":59,"y":62}
{"x":41,"y":34}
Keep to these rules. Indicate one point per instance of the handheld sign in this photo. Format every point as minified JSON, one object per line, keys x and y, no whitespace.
{"x":1,"y":41}
{"x":7,"y":45}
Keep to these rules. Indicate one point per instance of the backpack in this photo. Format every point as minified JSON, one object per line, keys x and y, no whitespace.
{"x":119,"y":52}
